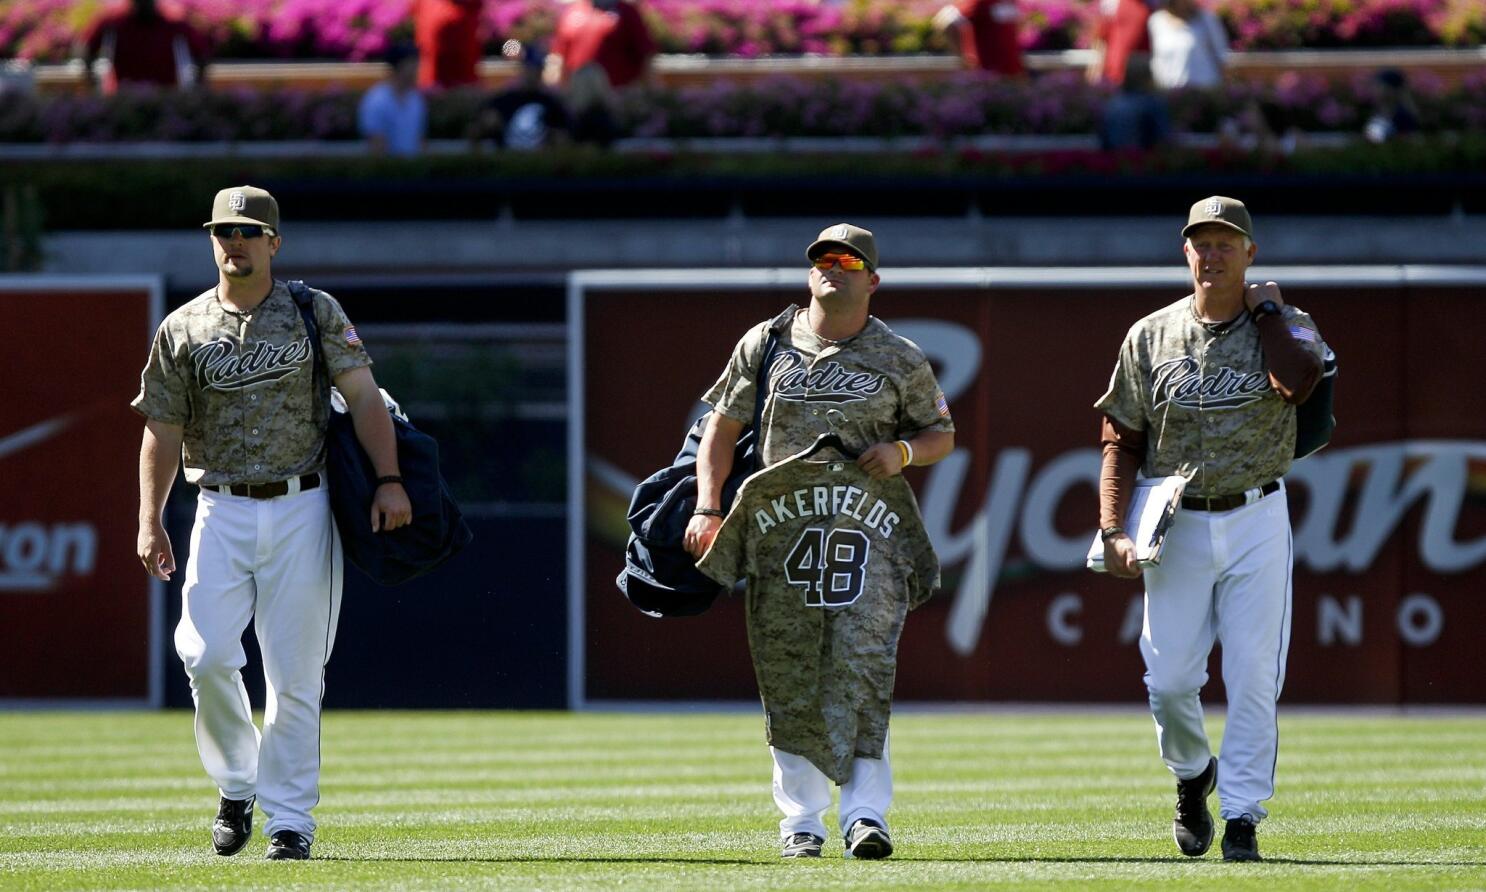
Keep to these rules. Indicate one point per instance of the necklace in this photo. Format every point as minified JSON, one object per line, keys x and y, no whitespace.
{"x":241,"y":314}
{"x":834,"y":342}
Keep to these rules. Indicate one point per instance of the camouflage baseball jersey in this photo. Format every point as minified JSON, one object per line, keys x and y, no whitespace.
{"x":879,"y":381}
{"x":1202,"y":394}
{"x":834,"y":562}
{"x":242,"y":385}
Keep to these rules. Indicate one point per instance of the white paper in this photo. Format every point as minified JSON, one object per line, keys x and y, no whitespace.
{"x":1152,"y":507}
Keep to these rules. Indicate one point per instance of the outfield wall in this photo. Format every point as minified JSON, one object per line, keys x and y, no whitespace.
{"x":1390,"y":520}
{"x":79,"y":618}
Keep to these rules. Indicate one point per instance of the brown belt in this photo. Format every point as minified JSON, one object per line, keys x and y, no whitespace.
{"x":1228,"y":503}
{"x":266,"y":490}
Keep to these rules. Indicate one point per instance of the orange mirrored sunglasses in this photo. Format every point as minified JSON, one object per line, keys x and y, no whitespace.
{"x":849,"y":262}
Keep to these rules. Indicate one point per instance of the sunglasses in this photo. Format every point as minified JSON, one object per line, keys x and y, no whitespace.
{"x":245,"y":230}
{"x":849,"y":262}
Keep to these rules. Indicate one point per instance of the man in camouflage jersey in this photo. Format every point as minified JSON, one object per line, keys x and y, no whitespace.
{"x":1207,"y":388}
{"x":230,"y":385}
{"x":826,"y":535}
{"x":835,"y":369}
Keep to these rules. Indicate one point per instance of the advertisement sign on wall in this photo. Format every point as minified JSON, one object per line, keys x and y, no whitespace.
{"x":1389,"y":521}
{"x":78,"y":613}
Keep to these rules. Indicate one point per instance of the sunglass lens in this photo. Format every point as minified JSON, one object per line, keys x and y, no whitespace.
{"x":847,"y":261}
{"x":246,"y":230}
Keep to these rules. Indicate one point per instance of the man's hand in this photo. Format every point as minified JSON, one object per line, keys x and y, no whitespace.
{"x":1258,"y":294}
{"x":1119,"y":557}
{"x":699,"y":534}
{"x":882,"y":461}
{"x":390,"y":508}
{"x":154,"y":550}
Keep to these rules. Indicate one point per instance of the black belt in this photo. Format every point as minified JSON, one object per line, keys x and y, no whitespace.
{"x":1228,"y":503}
{"x":266,"y":490}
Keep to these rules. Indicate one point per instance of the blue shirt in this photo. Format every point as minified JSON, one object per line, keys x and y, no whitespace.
{"x":400,"y":120}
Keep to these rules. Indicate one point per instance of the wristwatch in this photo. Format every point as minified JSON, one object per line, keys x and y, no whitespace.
{"x":1265,"y":308}
{"x":1109,"y":533}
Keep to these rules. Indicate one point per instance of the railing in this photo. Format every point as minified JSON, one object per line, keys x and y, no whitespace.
{"x":1449,"y":65}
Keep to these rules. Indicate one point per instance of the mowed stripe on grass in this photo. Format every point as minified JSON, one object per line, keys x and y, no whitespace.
{"x":681,"y":800}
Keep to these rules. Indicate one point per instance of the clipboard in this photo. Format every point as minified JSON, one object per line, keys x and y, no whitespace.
{"x":1153,"y":506}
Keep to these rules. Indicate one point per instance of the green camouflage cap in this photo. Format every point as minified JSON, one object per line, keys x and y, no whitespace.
{"x":1228,"y":212}
{"x":844,"y":236}
{"x":244,"y":204}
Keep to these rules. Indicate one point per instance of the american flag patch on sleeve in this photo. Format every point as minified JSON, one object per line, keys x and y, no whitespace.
{"x":1302,"y":334}
{"x":941,"y":404}
{"x":353,"y":338}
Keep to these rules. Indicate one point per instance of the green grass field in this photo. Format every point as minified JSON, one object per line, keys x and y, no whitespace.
{"x":648,"y":801}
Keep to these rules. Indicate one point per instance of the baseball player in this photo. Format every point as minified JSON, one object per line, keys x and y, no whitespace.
{"x":230,"y":386}
{"x":1206,"y":388}
{"x":830,"y":578}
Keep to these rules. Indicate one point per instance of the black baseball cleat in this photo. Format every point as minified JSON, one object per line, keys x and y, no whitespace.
{"x":233,"y":826}
{"x":287,"y":845}
{"x":868,"y":840}
{"x":1239,"y":841}
{"x":802,"y":845}
{"x":1193,"y":824}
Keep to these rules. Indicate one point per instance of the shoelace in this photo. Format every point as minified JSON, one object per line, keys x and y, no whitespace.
{"x":1189,"y":798}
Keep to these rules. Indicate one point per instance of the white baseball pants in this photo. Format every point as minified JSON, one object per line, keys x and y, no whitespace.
{"x":276,"y":562}
{"x":803,"y":793}
{"x":1224,"y":576}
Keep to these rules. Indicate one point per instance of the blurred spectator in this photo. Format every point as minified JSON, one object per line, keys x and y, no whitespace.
{"x":1121,"y":31}
{"x":1136,"y":117}
{"x":987,"y":31}
{"x":17,"y":76}
{"x":525,"y":115}
{"x":140,"y":43}
{"x":447,"y":34}
{"x":1397,"y":113}
{"x":1257,"y":127}
{"x":594,"y":105}
{"x":611,"y":33}
{"x":1189,"y":47}
{"x":393,"y":115}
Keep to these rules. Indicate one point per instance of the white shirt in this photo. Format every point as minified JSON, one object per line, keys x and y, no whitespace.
{"x":1187,"y":53}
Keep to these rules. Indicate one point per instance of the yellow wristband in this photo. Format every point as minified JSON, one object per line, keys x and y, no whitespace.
{"x":907,"y":452}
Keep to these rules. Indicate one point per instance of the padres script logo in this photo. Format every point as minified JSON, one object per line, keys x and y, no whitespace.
{"x":1177,"y":381}
{"x":832,"y":382}
{"x":220,"y":365}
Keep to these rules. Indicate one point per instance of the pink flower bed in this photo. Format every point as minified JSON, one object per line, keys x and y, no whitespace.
{"x":47,"y":30}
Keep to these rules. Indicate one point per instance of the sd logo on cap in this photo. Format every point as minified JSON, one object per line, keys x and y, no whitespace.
{"x":244,"y":204}
{"x":1224,"y":211}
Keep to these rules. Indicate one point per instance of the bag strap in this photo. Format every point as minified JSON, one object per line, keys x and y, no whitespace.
{"x":306,"y":303}
{"x":761,"y":380}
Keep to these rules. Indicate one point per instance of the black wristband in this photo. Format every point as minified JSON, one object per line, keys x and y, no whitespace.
{"x":1265,"y":308}
{"x":1109,"y":533}
{"x":391,"y":478}
{"x":710,"y":512}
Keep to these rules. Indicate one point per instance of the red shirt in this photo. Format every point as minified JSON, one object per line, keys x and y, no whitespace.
{"x":447,"y":34}
{"x":1124,"y":33}
{"x":617,"y":40}
{"x":990,"y":42}
{"x":143,"y":48}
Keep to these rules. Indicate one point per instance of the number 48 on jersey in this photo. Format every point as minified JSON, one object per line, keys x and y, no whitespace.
{"x":830,"y":565}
